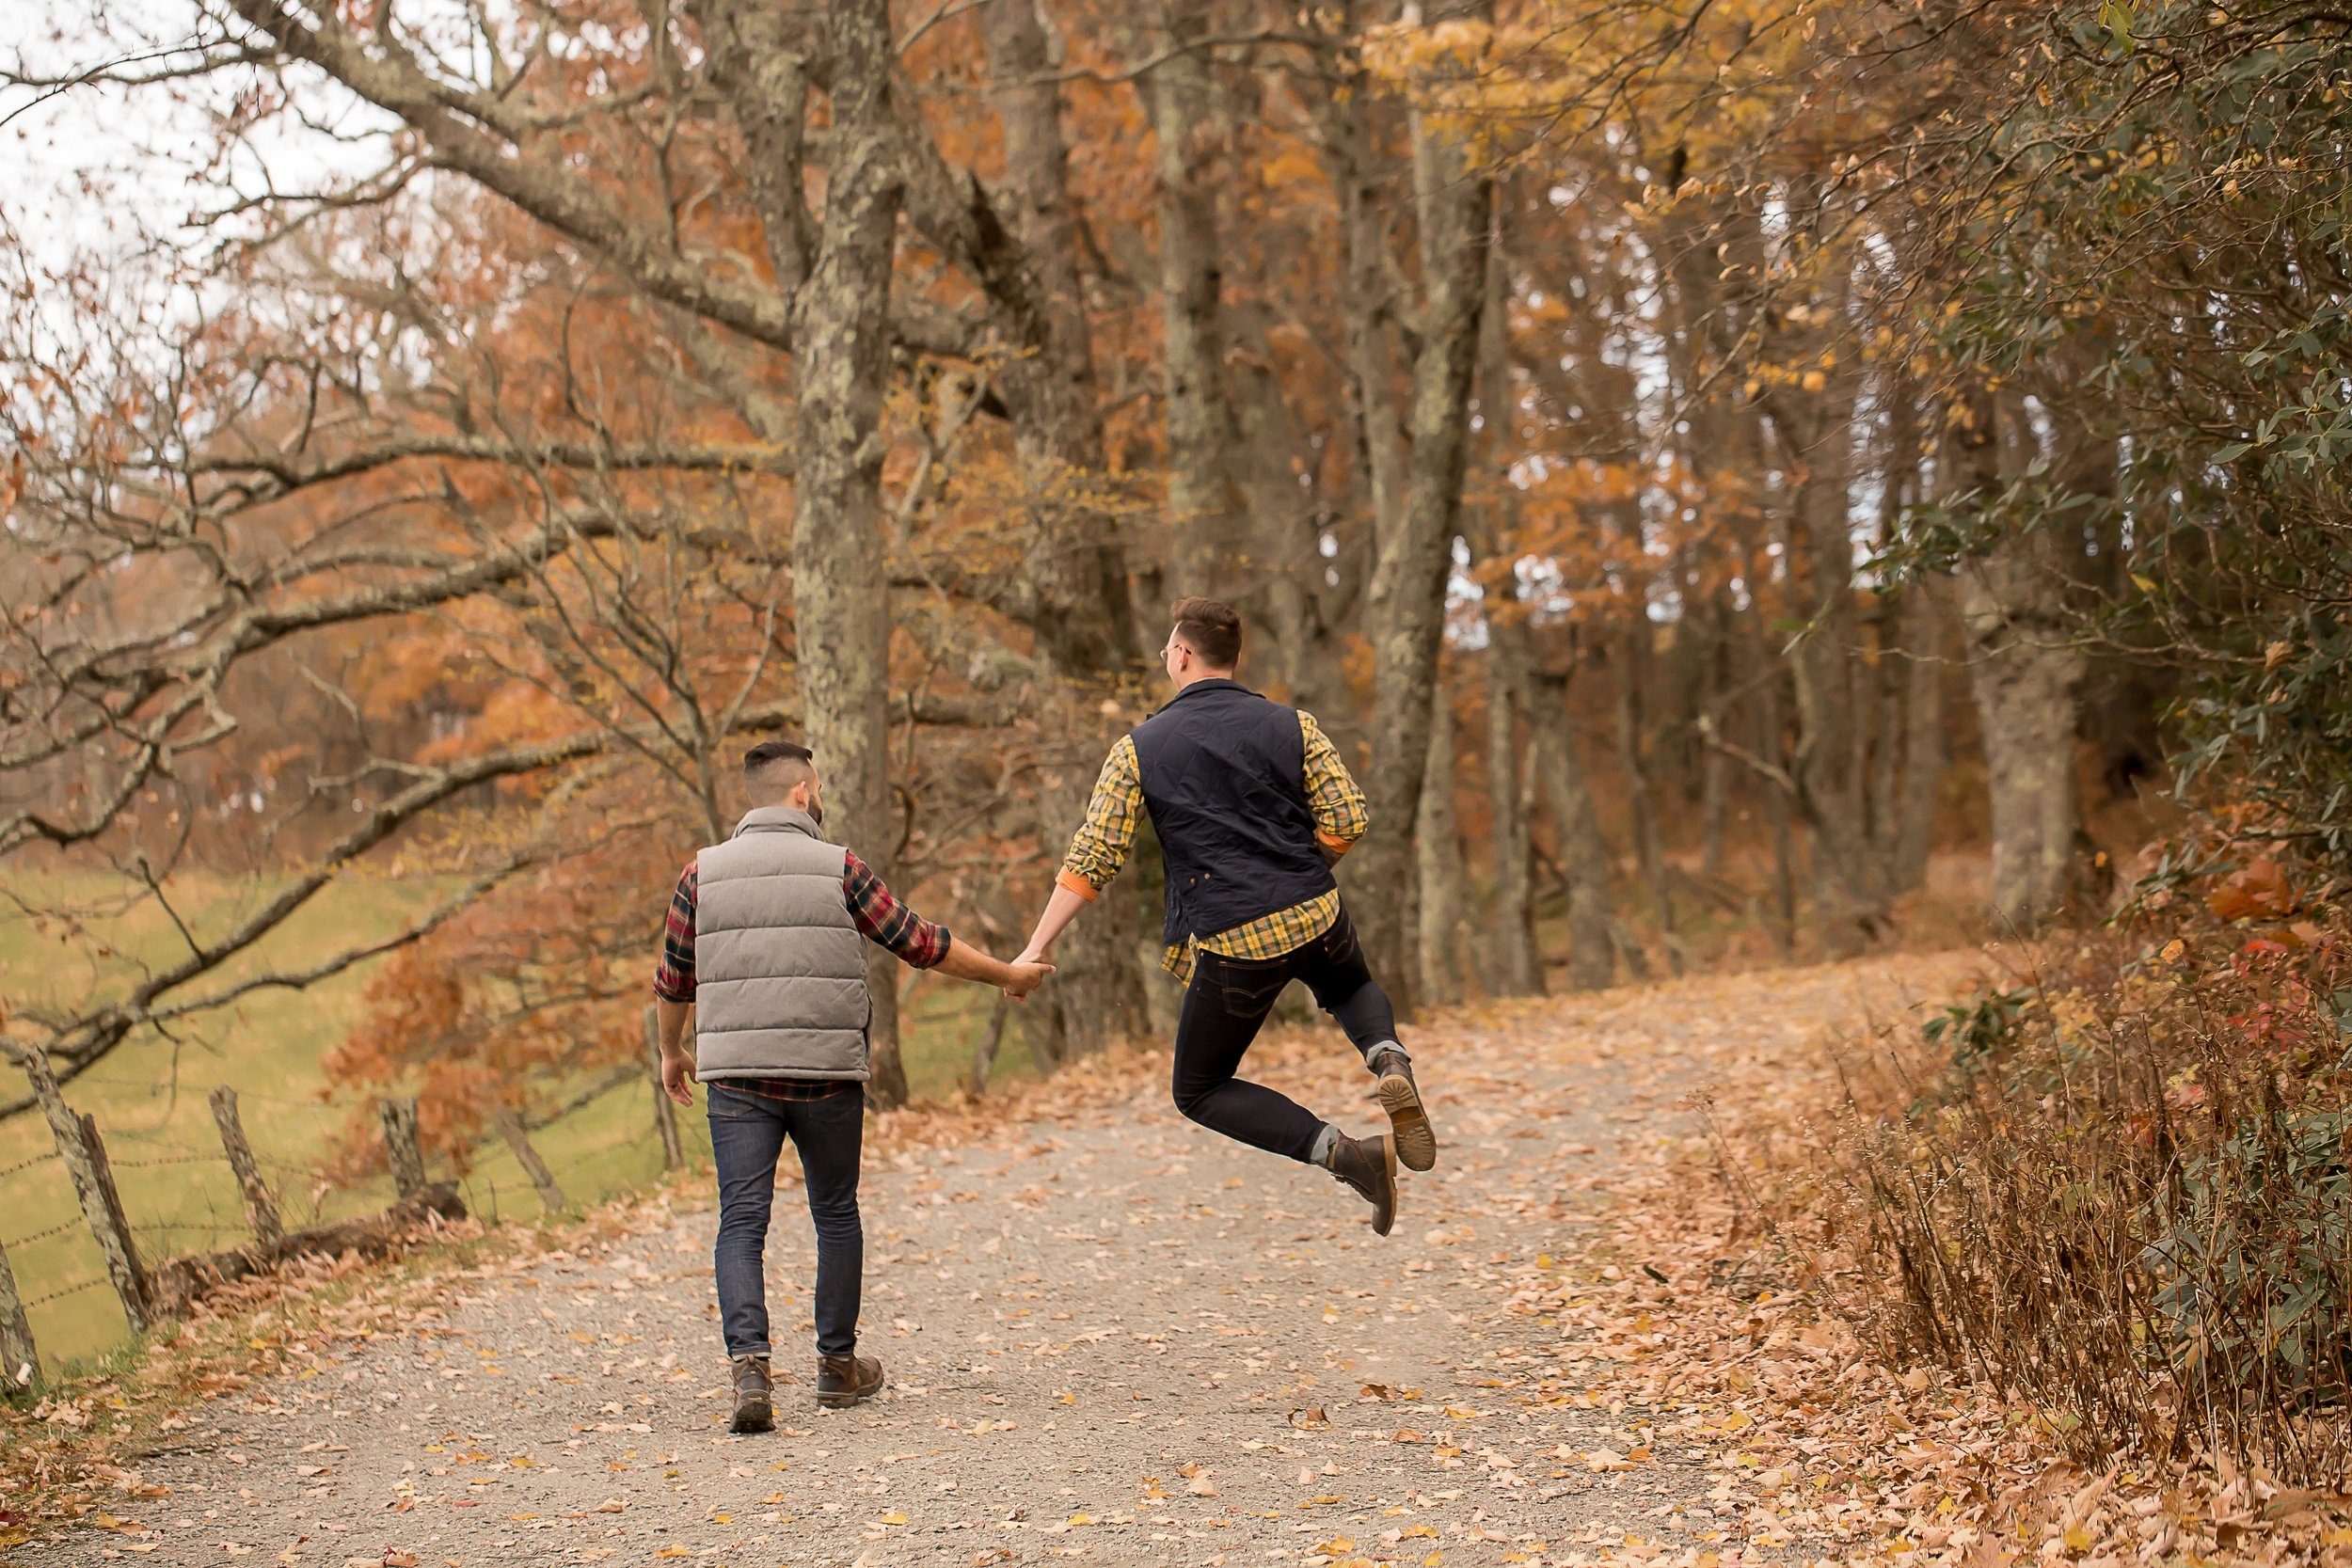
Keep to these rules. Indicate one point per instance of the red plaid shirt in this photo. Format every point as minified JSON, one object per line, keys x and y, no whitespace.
{"x":878,"y":913}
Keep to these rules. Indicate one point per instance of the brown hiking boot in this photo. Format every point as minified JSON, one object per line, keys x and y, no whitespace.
{"x":755,"y":1396}
{"x":843,"y":1381}
{"x":1368,"y":1166}
{"x":1408,"y":1119}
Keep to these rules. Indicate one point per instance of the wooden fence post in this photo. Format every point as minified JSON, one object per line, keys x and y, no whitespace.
{"x":16,"y":1330}
{"x":85,"y":1156}
{"x":269,"y":1233}
{"x":664,"y":1113}
{"x":400,"y":1143}
{"x":511,"y":1128}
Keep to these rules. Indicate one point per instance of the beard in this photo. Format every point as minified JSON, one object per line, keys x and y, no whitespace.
{"x":816,"y":812}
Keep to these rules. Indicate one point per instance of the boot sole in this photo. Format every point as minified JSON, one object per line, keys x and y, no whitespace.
{"x":1409,"y":1122}
{"x":847,"y":1397}
{"x":1381,"y":1226}
{"x":762,"y":1418}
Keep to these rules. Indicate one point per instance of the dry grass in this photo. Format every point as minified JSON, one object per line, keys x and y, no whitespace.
{"x":2116,"y":1188}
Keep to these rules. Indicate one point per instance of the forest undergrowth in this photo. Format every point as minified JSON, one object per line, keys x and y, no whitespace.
{"x":2099,"y":1209}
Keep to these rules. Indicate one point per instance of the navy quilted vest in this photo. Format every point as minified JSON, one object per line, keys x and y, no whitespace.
{"x":1224,"y":776}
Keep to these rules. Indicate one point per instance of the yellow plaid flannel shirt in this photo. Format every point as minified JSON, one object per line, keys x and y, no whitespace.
{"x":1107,"y":837}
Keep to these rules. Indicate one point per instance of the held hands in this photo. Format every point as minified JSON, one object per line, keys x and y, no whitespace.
{"x":1028,"y":973}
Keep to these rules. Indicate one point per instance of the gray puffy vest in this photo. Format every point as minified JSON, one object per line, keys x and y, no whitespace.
{"x":779,"y":965}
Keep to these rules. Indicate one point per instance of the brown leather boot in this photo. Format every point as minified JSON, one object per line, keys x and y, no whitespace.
{"x":843,"y":1381}
{"x":1368,"y":1165}
{"x":754,"y":1395}
{"x":1408,"y":1118}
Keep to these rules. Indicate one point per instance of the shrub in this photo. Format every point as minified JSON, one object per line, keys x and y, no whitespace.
{"x":2122,"y":1192}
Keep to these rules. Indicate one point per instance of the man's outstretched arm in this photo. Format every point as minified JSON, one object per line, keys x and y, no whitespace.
{"x":1098,"y":849}
{"x":927,"y":944}
{"x":1015,"y":979}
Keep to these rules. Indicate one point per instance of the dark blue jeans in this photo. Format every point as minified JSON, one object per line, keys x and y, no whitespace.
{"x":1225,"y":1007}
{"x":747,"y":1137}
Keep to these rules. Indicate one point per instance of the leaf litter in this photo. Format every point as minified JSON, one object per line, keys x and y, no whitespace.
{"x":1114,"y":1337}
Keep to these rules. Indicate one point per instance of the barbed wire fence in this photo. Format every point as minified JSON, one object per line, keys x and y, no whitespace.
{"x":217,"y":1229}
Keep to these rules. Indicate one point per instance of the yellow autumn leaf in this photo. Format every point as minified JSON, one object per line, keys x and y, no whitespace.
{"x":1077,"y":1520}
{"x":2079,"y":1539}
{"x":673,"y":1551}
{"x":892,"y":1518}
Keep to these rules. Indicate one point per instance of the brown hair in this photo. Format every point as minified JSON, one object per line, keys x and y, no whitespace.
{"x":1210,"y":629}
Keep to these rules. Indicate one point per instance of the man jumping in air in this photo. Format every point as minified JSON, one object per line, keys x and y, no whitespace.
{"x":1252,"y":806}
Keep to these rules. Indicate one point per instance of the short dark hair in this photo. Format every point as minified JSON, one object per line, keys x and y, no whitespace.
{"x":777,"y":765}
{"x":1211,"y":629}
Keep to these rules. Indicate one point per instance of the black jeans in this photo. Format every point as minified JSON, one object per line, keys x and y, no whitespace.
{"x":1225,"y":1007}
{"x":747,"y":1137}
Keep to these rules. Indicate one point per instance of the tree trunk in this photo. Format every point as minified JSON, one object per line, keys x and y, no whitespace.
{"x":1444,"y":905}
{"x":2027,"y":673}
{"x":1518,"y":967}
{"x":1633,"y":682}
{"x":403,"y":1152}
{"x":1779,"y":807}
{"x":1925,"y":613}
{"x":2025,"y":670}
{"x":1584,"y":852}
{"x":1207,"y":519}
{"x":840,"y":594}
{"x":1851,"y":888}
{"x":1097,"y":994}
{"x":1405,"y":610}
{"x":1073,"y":590}
{"x":992,"y":1039}
{"x":1709,"y":625}
{"x":1083,"y":610}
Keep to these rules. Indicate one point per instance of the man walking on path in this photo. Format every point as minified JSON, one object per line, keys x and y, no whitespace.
{"x":766,"y":940}
{"x":1252,"y":806}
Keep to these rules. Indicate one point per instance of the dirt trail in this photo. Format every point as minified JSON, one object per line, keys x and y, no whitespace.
{"x":1103,"y":1336}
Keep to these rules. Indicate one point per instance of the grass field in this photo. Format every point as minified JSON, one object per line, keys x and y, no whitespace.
{"x":148,"y":1096}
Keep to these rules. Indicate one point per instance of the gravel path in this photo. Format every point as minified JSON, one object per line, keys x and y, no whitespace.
{"x":1115,"y":1340}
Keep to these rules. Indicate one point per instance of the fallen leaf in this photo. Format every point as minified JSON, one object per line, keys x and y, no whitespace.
{"x":1311,"y":1419}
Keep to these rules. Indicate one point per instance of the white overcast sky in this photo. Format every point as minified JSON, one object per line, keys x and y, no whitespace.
{"x":101,"y":171}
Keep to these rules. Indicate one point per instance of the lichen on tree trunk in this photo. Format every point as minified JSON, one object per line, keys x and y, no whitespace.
{"x":840,"y":594}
